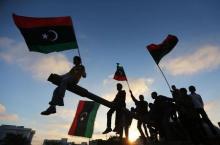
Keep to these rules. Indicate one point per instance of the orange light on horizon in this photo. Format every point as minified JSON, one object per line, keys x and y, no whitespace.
{"x":133,"y":133}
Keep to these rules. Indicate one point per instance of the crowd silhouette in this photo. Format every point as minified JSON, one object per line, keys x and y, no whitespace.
{"x":180,"y":117}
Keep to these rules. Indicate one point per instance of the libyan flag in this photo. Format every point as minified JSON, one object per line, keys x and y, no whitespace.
{"x":120,"y":73}
{"x":158,"y":51}
{"x":47,"y":35}
{"x":84,"y":119}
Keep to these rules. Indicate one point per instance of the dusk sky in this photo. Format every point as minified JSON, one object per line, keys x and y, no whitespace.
{"x":108,"y":32}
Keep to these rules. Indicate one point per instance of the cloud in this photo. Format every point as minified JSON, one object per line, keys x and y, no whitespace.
{"x":4,"y":116}
{"x":65,"y":113}
{"x":46,"y":65}
{"x":212,"y":109}
{"x":203,"y":59}
{"x":141,"y":85}
{"x":137,"y":85}
{"x":2,"y":108}
{"x":9,"y":117}
{"x":39,"y":65}
{"x":109,"y":80}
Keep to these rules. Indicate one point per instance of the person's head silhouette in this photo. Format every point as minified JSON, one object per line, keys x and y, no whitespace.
{"x":154,"y":95}
{"x":77,"y":60}
{"x":183,"y":91}
{"x":192,"y":89}
{"x":141,"y":97}
{"x":173,"y":87}
{"x":119,"y":86}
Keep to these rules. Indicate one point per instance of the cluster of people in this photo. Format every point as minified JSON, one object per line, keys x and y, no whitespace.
{"x":181,"y":117}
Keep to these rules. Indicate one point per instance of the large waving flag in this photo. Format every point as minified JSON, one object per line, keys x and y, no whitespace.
{"x":47,"y":35}
{"x":120,"y":74}
{"x":160,"y":50}
{"x":83,"y":122}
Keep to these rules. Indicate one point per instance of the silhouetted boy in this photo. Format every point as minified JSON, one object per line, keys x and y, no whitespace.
{"x":123,"y":122}
{"x":176,"y":95}
{"x":119,"y":102}
{"x":160,"y":112}
{"x":189,"y":118}
{"x":72,"y":77}
{"x":199,"y":106}
{"x":142,"y":112}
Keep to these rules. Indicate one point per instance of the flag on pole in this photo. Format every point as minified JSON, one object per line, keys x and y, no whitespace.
{"x":84,"y":119}
{"x":47,"y":35}
{"x":160,"y":50}
{"x":120,"y":74}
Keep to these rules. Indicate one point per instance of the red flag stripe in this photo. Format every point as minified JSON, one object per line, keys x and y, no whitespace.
{"x":30,"y":22}
{"x":153,"y":47}
{"x":170,"y":38}
{"x":72,"y":129}
{"x":120,"y":78}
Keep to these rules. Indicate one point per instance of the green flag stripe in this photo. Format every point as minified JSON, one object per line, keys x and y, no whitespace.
{"x":55,"y":47}
{"x":91,"y":120}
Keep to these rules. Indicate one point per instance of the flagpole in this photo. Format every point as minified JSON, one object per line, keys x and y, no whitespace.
{"x":128,"y":85}
{"x":77,"y":45}
{"x":78,"y":51}
{"x":164,"y":77}
{"x":126,"y":78}
{"x":79,"y":54}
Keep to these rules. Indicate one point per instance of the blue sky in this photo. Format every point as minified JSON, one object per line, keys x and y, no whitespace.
{"x":108,"y":32}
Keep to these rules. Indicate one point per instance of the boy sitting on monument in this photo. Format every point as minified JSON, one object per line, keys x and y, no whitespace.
{"x":72,"y":77}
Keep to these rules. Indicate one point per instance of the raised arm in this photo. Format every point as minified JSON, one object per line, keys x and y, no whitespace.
{"x":132,"y":96}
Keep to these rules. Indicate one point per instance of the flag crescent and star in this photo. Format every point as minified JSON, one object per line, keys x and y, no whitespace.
{"x":83,"y":116}
{"x":50,"y":35}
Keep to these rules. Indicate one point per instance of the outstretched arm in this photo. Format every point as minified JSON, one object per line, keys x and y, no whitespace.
{"x":132,"y":96}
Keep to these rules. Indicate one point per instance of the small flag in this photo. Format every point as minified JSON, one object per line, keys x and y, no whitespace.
{"x":47,"y":35}
{"x":84,"y":119}
{"x":120,"y":74}
{"x":160,"y":50}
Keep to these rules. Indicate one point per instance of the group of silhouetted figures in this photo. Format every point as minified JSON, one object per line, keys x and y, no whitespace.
{"x":181,"y":117}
